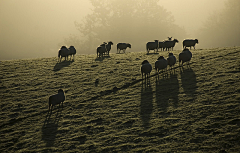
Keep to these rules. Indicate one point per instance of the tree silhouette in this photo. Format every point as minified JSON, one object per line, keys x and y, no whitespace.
{"x":132,"y":21}
{"x":222,"y":28}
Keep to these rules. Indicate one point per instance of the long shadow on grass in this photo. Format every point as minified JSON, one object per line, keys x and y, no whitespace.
{"x":189,"y":82}
{"x":146,"y":102}
{"x":167,"y":90}
{"x":50,"y":127}
{"x":61,"y":65}
{"x":102,"y":58}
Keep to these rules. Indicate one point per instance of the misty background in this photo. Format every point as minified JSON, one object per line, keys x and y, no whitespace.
{"x":33,"y":29}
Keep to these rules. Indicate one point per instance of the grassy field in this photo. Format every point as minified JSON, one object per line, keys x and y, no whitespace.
{"x":194,"y":109}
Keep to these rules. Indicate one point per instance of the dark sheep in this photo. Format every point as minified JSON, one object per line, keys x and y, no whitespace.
{"x":56,"y":99}
{"x":190,"y":43}
{"x":63,"y":52}
{"x":161,"y":64}
{"x":72,"y":52}
{"x":122,"y":46}
{"x":169,"y":44}
{"x":146,"y":69}
{"x":171,"y":60}
{"x":161,"y":45}
{"x":185,"y":56}
{"x":152,"y":46}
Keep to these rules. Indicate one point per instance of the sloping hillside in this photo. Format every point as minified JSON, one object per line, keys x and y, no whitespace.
{"x":195,"y":109}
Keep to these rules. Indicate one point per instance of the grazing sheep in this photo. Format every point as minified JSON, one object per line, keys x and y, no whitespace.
{"x":56,"y":99}
{"x":190,"y":43}
{"x":63,"y":52}
{"x":161,"y":44}
{"x":101,"y":50}
{"x":108,"y":47}
{"x":161,"y":64}
{"x":169,"y":44}
{"x":152,"y":46}
{"x":123,"y":46}
{"x":146,"y":69}
{"x":185,"y":56}
{"x":171,"y":60}
{"x":72,"y":52}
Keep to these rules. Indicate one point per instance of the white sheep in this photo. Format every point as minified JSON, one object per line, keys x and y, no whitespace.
{"x":185,"y":56}
{"x":152,"y":46}
{"x":171,"y":60}
{"x":190,"y":43}
{"x":63,"y":52}
{"x":123,"y":46}
{"x":161,"y":64}
{"x":56,"y":99}
{"x":146,"y":69}
{"x":72,"y":52}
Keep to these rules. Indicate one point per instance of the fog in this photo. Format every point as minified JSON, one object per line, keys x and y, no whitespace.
{"x":36,"y":28}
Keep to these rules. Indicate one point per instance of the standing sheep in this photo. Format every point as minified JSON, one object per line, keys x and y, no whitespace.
{"x":190,"y":43}
{"x":161,"y":45}
{"x":101,"y":50}
{"x":108,"y":47}
{"x":56,"y":99}
{"x":169,"y":44}
{"x":72,"y":52}
{"x":63,"y":52}
{"x":123,"y":46}
{"x":171,"y":60}
{"x":161,"y":64}
{"x":152,"y":46}
{"x":146,"y":69}
{"x":185,"y":56}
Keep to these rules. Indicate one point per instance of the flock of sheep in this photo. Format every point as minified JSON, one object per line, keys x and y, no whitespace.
{"x":66,"y":52}
{"x":146,"y":67}
{"x":162,"y":63}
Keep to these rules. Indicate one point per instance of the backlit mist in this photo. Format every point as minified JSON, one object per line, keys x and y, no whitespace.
{"x":32,"y":29}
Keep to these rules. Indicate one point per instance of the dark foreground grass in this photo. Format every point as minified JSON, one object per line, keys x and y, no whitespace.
{"x":194,"y":109}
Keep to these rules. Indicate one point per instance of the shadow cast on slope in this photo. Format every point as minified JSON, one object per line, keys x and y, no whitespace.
{"x":61,"y":65}
{"x":146,"y":106}
{"x":167,"y":91}
{"x":189,"y":82}
{"x":50,"y":127}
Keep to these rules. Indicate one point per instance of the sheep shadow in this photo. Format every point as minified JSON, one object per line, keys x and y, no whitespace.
{"x":146,"y":106}
{"x":189,"y":82}
{"x":50,"y":127}
{"x":62,"y":64}
{"x":167,"y":90}
{"x":152,"y":53}
{"x":102,"y":58}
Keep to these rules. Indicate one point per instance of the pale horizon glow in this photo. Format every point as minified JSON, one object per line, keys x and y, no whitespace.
{"x":37,"y":28}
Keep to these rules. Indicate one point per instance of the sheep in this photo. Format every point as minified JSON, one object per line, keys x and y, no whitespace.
{"x":185,"y":56}
{"x":72,"y":52}
{"x":152,"y":46}
{"x":63,"y":52}
{"x":108,"y":47}
{"x":169,"y":44}
{"x":190,"y":43}
{"x":56,"y":99}
{"x":161,"y":44}
{"x":123,"y":46}
{"x":146,"y":69}
{"x":101,"y":49}
{"x":161,"y":64}
{"x":171,"y":60}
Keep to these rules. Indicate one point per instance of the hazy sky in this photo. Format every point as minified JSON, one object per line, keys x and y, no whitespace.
{"x":37,"y":28}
